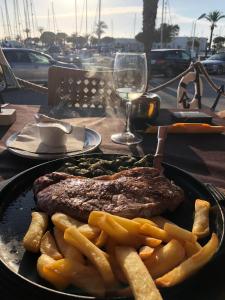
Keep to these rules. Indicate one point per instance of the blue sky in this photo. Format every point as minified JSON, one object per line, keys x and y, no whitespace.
{"x":123,"y":17}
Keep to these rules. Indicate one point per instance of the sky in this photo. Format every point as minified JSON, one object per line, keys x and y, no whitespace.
{"x":123,"y":17}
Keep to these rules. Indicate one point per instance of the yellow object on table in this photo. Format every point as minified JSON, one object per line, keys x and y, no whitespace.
{"x":189,"y":128}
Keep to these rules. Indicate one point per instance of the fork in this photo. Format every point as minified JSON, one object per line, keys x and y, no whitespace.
{"x":218,"y":195}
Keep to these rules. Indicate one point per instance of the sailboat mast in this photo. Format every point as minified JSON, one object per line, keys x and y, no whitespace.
{"x":15,"y":19}
{"x":32,"y":16}
{"x":75,"y":3}
{"x":28,"y":15}
{"x":26,"y":18}
{"x":86,"y":20}
{"x":8,"y":21}
{"x":99,"y":20}
{"x":3,"y":23}
{"x":49,"y":29}
{"x":162,"y":22}
{"x":18,"y":19}
{"x":53,"y":19}
{"x":135,"y":21}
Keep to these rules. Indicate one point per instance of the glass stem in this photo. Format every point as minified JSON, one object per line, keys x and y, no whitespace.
{"x":128,"y":115}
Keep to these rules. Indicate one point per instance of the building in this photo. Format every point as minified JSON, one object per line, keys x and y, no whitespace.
{"x":184,"y":42}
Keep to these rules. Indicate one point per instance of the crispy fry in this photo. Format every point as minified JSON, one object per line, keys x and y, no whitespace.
{"x":137,"y":273}
{"x":117,"y":271}
{"x":165,"y":258}
{"x":66,"y":249}
{"x":201,"y":219}
{"x":191,"y":265}
{"x":63,"y":221}
{"x":91,"y":232}
{"x":155,"y":232}
{"x":143,"y":221}
{"x":118,"y":232}
{"x":102,"y":239}
{"x":151,"y":242}
{"x":145,"y":252}
{"x":95,"y":255}
{"x":83,"y":277}
{"x":36,"y":230}
{"x":179,"y":233}
{"x":95,"y":216}
{"x":130,"y":225}
{"x":191,"y":248}
{"x":48,"y":246}
{"x":55,"y":279}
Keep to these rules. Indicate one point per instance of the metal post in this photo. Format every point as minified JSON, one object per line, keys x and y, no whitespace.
{"x":193,"y":38}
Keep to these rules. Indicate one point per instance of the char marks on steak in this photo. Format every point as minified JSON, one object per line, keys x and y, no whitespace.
{"x":136,"y":192}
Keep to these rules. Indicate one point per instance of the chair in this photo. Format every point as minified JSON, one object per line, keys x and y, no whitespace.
{"x":85,"y":92}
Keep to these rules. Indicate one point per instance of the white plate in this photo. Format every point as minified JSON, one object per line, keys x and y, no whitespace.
{"x":91,"y":141}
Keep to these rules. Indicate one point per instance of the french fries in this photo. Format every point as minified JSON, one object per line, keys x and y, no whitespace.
{"x":102,"y":239}
{"x":59,"y":281}
{"x":117,"y":232}
{"x":63,"y":221}
{"x":84,"y":277}
{"x":130,"y":225}
{"x":155,"y":232}
{"x":179,"y":233}
{"x":66,"y":249}
{"x":48,"y":246}
{"x":111,"y":251}
{"x":165,"y":258}
{"x":95,"y":255}
{"x":137,"y":273}
{"x":151,"y":242}
{"x":36,"y":230}
{"x":91,"y":232}
{"x":191,"y":248}
{"x":201,"y":218}
{"x":143,"y":221}
{"x":191,"y":265}
{"x":145,"y":252}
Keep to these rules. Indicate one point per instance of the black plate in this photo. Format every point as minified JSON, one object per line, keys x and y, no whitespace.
{"x":18,"y":268}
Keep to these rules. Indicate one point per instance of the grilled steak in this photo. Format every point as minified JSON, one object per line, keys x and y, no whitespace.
{"x":136,"y":192}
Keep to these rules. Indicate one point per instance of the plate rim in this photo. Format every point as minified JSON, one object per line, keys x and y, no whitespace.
{"x":43,"y":156}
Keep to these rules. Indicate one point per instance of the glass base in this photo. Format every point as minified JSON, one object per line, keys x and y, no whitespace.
{"x":126,"y":138}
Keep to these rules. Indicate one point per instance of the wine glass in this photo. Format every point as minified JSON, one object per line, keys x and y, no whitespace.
{"x":130,"y":82}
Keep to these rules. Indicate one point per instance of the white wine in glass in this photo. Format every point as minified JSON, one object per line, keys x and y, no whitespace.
{"x":130,"y":82}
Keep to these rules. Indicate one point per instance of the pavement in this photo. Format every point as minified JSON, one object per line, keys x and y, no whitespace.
{"x":168,"y":95}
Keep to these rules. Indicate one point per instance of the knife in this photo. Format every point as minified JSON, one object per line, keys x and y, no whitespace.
{"x":158,"y":156}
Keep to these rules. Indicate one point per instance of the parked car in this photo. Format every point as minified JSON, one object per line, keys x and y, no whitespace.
{"x":215,"y":64}
{"x":169,"y":61}
{"x":31,"y":65}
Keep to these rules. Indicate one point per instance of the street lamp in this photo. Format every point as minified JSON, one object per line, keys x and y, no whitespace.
{"x":194,"y":30}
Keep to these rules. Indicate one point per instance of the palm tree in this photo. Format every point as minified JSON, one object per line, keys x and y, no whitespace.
{"x":27,"y":31}
{"x":213,"y":17}
{"x":100,"y":29}
{"x":147,"y":35}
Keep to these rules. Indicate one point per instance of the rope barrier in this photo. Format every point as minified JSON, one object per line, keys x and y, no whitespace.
{"x":32,"y":86}
{"x":196,"y":66}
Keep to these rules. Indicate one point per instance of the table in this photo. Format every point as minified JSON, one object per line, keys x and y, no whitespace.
{"x":201,"y":155}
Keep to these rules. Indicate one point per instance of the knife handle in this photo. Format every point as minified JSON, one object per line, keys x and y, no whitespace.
{"x":161,"y":137}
